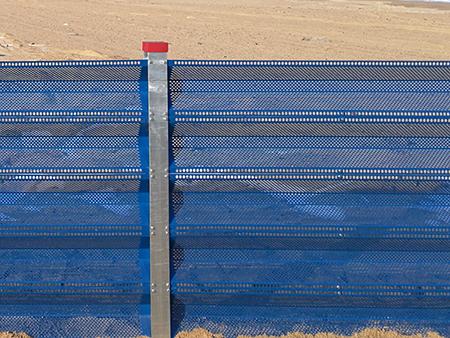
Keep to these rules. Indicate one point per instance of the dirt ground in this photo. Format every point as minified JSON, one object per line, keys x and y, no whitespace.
{"x":367,"y":333}
{"x":227,"y":29}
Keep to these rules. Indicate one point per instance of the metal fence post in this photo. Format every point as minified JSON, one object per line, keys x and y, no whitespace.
{"x":156,"y":54}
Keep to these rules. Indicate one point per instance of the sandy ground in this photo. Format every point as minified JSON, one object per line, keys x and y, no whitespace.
{"x":227,"y":29}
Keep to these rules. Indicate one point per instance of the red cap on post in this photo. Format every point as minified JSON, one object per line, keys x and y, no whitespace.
{"x":155,"y":47}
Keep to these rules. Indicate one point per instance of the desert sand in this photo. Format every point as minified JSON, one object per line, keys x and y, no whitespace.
{"x":228,"y":29}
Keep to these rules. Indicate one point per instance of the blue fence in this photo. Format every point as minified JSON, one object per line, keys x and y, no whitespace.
{"x":304,"y":196}
{"x":310,"y":196}
{"x":74,"y":242}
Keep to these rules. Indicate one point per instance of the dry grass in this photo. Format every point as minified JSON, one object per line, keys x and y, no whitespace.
{"x":201,"y":333}
{"x":198,"y":333}
{"x":13,"y":335}
{"x":367,"y":333}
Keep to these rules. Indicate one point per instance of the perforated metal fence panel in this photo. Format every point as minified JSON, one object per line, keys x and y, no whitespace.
{"x":74,"y":209}
{"x":310,"y":196}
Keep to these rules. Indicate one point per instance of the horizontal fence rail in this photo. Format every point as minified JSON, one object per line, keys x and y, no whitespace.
{"x":310,"y":196}
{"x":74,"y":202}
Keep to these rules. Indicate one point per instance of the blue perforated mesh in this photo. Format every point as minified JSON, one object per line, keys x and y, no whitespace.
{"x":310,"y":196}
{"x":74,"y":244}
